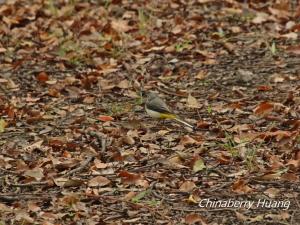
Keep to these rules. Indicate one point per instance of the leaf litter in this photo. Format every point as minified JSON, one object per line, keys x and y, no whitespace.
{"x":77,"y":147}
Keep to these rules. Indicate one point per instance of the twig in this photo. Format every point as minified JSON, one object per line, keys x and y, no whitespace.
{"x":10,"y":172}
{"x":141,"y":168}
{"x":103,"y":144}
{"x":29,"y":184}
{"x":219,"y":172}
{"x":18,"y":197}
{"x":101,"y":137}
{"x":81,"y":167}
{"x":171,"y":92}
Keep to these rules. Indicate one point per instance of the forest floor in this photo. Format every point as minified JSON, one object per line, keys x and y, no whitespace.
{"x":78,"y":148}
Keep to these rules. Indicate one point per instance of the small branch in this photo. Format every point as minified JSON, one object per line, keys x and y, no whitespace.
{"x":30,"y":184}
{"x":103,"y":144}
{"x":18,"y":197}
{"x":81,"y":167}
{"x":102,"y":139}
{"x":10,"y":172}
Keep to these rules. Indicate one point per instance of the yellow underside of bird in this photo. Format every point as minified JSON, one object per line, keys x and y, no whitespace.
{"x":159,"y":115}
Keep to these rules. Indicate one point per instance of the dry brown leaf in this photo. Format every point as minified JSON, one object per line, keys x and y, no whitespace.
{"x":98,"y":181}
{"x":100,"y":165}
{"x":277,"y":78}
{"x":201,"y":75}
{"x":187,"y":186}
{"x":120,"y":25}
{"x":128,"y":140}
{"x":129,"y":196}
{"x":36,"y":173}
{"x":129,"y":178}
{"x":187,"y":140}
{"x":291,"y":177}
{"x":66,"y":182}
{"x":241,"y":187}
{"x":175,"y":162}
{"x":260,"y":18}
{"x":278,"y":217}
{"x":294,"y":163}
{"x":36,"y":145}
{"x":291,"y":35}
{"x":192,"y":102}
{"x":193,"y":218}
{"x":272,"y":192}
{"x":270,"y":176}
{"x":264,"y":88}
{"x":4,"y":208}
{"x":33,"y":207}
{"x":42,"y":77}
{"x":105,"y":118}
{"x":2,"y":50}
{"x":124,"y":84}
{"x":263,"y":109}
{"x":241,"y":216}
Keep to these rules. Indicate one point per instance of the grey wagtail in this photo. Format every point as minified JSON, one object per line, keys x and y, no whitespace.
{"x":157,"y":108}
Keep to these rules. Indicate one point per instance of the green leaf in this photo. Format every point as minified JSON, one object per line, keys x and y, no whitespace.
{"x":199,"y":165}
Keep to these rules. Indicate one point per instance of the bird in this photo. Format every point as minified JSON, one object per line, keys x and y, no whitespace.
{"x":157,"y":108}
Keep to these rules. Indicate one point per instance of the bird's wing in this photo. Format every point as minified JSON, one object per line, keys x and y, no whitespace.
{"x":158,"y":105}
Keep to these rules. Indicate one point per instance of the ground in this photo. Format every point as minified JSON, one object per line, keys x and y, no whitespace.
{"x":78,"y":148}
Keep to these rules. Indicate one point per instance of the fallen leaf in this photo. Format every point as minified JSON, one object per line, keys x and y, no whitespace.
{"x":128,"y":140}
{"x":241,"y":216}
{"x":98,"y":181}
{"x":193,"y":199}
{"x":263,"y":109}
{"x":187,"y":140}
{"x":270,"y":176}
{"x":291,"y":35}
{"x":36,"y":145}
{"x":241,"y":187}
{"x":203,"y":124}
{"x":124,"y":84}
{"x":4,"y":208}
{"x":277,"y":78}
{"x":198,"y":165}
{"x":260,"y":18}
{"x":129,"y":196}
{"x":272,"y":192}
{"x":99,"y":164}
{"x":294,"y":163}
{"x":66,"y":182}
{"x":129,"y":178}
{"x":33,"y":207}
{"x":120,"y":25}
{"x":36,"y":173}
{"x":2,"y":50}
{"x":42,"y":77}
{"x":291,"y":177}
{"x":201,"y":75}
{"x":2,"y":125}
{"x":193,"y":218}
{"x":105,"y":118}
{"x":192,"y":102}
{"x":264,"y":88}
{"x":187,"y":186}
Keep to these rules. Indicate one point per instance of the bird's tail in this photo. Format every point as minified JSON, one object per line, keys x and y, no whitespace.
{"x":183,"y":122}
